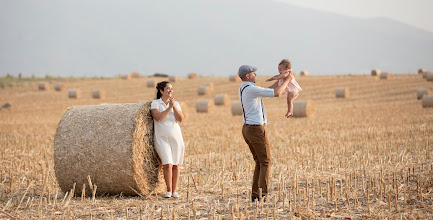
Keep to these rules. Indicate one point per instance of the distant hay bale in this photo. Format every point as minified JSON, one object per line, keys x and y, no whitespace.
{"x":151,"y":83}
{"x":43,"y":86}
{"x":221,"y":99}
{"x":111,"y":143}
{"x":192,"y":75}
{"x":342,"y":92}
{"x":303,"y":108}
{"x":74,"y":93}
{"x":59,"y":86}
{"x":98,"y":94}
{"x":421,"y":92}
{"x":384,"y":75}
{"x":427,"y":101}
{"x":135,"y":75}
{"x":304,"y":73}
{"x":421,"y":71}
{"x":375,"y":72}
{"x":173,"y":79}
{"x":429,"y":76}
{"x":125,"y":76}
{"x":234,"y":78}
{"x":236,"y":108}
{"x":205,"y":88}
{"x":204,"y":106}
{"x":425,"y":74}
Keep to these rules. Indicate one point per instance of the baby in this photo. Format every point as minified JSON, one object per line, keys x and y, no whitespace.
{"x":285,"y":69}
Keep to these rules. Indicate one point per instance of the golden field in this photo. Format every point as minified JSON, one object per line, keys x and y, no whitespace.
{"x":366,"y":156}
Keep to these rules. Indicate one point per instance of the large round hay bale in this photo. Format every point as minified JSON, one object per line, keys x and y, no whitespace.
{"x":221,"y":99}
{"x":425,"y":74}
{"x":151,"y":83}
{"x":192,"y":75}
{"x":304,"y":73}
{"x":236,"y":108}
{"x":59,"y":86}
{"x":429,"y":76}
{"x":384,"y":75}
{"x":98,"y":94}
{"x":74,"y":93}
{"x":111,"y":143}
{"x":375,"y":72}
{"x":427,"y":101}
{"x":421,"y":71}
{"x":303,"y":108}
{"x":125,"y":76}
{"x":204,"y":106}
{"x":421,"y":92}
{"x":43,"y":86}
{"x":173,"y":79}
{"x":342,"y":92}
{"x":234,"y":78}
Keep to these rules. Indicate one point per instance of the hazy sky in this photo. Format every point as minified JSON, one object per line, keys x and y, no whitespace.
{"x":414,"y":12}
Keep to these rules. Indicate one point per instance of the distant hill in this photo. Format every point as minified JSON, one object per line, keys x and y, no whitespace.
{"x":210,"y":37}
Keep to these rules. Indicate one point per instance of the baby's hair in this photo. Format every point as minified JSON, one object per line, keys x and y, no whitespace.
{"x":286,"y":64}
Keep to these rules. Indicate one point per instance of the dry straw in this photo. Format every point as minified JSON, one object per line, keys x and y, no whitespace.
{"x":236,"y":108}
{"x":303,"y":108}
{"x":421,"y":71}
{"x":221,"y":99}
{"x":384,"y":75}
{"x":342,"y":92}
{"x":184,"y":108}
{"x":375,"y":72}
{"x":125,"y":76}
{"x":173,"y":79}
{"x":204,"y":106}
{"x":151,"y":83}
{"x":74,"y":93}
{"x":427,"y":101}
{"x":98,"y":94}
{"x":111,"y":143}
{"x":192,"y":75}
{"x":59,"y":86}
{"x":304,"y":73}
{"x":234,"y":78}
{"x":429,"y":76}
{"x":425,"y":74}
{"x":43,"y":86}
{"x":421,"y":92}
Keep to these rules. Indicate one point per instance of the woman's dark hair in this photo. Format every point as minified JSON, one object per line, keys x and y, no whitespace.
{"x":160,"y":86}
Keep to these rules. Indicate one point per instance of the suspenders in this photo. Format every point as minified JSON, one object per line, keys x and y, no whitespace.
{"x":243,"y":110}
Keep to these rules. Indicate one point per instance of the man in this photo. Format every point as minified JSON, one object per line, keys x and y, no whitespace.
{"x":253,"y":130}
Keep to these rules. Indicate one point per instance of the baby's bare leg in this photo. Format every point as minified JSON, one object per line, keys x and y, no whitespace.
{"x":290,"y":97}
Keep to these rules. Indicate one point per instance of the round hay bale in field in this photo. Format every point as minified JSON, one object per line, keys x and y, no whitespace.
{"x":234,"y":78}
{"x":98,"y":94}
{"x":125,"y":76}
{"x":342,"y":92}
{"x":303,"y":108}
{"x":205,"y":89}
{"x":429,"y":76}
{"x":421,"y":92}
{"x":236,"y":108}
{"x":74,"y":93}
{"x":192,"y":75}
{"x":221,"y":99}
{"x":204,"y":106}
{"x":151,"y":83}
{"x":375,"y":72}
{"x":427,"y":101}
{"x":43,"y":86}
{"x":111,"y":143}
{"x":135,"y":75}
{"x":209,"y":84}
{"x":384,"y":75}
{"x":173,"y":79}
{"x":425,"y":74}
{"x":59,"y":86}
{"x":421,"y":71}
{"x":304,"y":73}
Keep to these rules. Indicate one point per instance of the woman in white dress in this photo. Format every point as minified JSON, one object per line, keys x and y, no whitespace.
{"x":168,"y":139}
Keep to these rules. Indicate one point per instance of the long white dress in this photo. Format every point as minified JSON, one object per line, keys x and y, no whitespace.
{"x":168,"y":139}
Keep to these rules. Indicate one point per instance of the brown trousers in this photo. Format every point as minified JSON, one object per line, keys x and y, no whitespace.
{"x":257,"y":139}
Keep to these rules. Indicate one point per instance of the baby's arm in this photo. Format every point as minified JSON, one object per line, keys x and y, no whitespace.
{"x":273,"y":78}
{"x":280,"y":76}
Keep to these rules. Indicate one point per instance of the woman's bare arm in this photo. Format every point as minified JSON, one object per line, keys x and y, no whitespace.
{"x":158,"y":116}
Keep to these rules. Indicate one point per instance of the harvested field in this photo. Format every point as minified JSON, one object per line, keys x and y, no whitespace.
{"x":370,"y":156}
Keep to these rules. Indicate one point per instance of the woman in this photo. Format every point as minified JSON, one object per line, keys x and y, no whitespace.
{"x":168,"y":139}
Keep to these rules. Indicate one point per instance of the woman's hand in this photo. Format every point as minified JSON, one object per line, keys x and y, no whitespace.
{"x":171,"y":102}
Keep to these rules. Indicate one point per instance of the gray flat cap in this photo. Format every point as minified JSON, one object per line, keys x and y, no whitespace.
{"x":245,"y":69}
